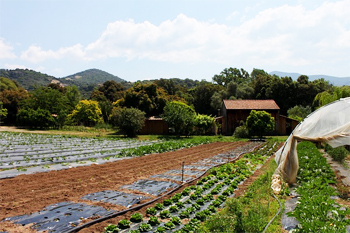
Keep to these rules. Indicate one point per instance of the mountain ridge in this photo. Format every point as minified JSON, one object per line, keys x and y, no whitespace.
{"x":30,"y":79}
{"x":336,"y":81}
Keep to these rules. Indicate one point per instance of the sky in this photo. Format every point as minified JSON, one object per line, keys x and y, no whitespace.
{"x":196,"y":39}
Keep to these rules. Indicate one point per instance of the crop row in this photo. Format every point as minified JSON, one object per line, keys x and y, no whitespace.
{"x":184,"y":211}
{"x":317,"y":211}
{"x":33,"y":150}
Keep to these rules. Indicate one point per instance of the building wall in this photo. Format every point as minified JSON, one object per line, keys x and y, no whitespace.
{"x":234,"y":118}
{"x":155,"y":127}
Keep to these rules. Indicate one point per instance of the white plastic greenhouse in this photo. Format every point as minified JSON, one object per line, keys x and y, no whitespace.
{"x":330,"y":123}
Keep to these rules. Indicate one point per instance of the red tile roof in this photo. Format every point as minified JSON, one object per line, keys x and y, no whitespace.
{"x":251,"y":104}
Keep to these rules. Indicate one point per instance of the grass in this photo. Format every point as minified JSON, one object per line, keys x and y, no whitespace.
{"x":251,"y":212}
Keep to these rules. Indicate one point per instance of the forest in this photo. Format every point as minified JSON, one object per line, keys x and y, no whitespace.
{"x":55,"y":105}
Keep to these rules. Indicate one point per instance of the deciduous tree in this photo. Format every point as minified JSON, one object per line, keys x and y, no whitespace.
{"x":180,"y":116}
{"x":128,"y":120}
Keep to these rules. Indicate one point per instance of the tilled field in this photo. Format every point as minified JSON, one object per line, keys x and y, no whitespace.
{"x":26,"y":194}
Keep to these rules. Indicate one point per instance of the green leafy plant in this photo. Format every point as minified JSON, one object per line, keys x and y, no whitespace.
{"x":175,"y":220}
{"x":111,"y":228}
{"x":169,"y":225}
{"x":173,"y":209}
{"x":160,"y":230}
{"x":164,"y":214}
{"x":153,"y":221}
{"x":184,"y":214}
{"x":167,"y":202}
{"x":144,"y":227}
{"x":124,"y":224}
{"x":159,"y":206}
{"x":151,"y":211}
{"x":136,"y":217}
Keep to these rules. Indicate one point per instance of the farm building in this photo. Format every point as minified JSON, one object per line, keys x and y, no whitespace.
{"x":235,"y":111}
{"x":155,"y":125}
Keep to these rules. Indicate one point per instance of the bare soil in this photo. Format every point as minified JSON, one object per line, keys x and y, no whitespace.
{"x":26,"y":194}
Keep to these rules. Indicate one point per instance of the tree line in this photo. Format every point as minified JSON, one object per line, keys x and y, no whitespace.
{"x":55,"y":105}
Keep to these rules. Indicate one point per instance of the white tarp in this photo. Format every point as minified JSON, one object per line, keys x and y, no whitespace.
{"x":330,"y":123}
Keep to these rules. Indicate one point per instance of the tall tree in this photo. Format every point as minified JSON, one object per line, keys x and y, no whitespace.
{"x":11,"y":94}
{"x":180,"y":116}
{"x":232,"y":75}
{"x":147,"y":97}
{"x":129,"y":120}
{"x":87,"y":113}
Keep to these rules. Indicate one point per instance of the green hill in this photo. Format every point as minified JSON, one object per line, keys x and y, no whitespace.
{"x":28,"y":79}
{"x":90,"y":77}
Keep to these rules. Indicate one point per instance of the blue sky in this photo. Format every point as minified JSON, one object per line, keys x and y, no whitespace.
{"x":146,"y":39}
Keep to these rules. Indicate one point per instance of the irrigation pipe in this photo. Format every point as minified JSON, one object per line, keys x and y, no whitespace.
{"x":273,"y":218}
{"x":113,"y":215}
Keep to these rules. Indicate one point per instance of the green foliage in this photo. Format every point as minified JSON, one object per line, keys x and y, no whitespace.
{"x":164,"y":214}
{"x":124,"y":224}
{"x":29,"y":79}
{"x":338,"y":153}
{"x":7,"y":84}
{"x":136,"y":217}
{"x":151,"y":211}
{"x":241,"y":132}
{"x":87,"y":113}
{"x":128,"y":120}
{"x":316,"y":211}
{"x":180,"y":116}
{"x":203,"y":124}
{"x":39,"y":118}
{"x":147,"y":97}
{"x":299,"y":112}
{"x":260,"y":122}
{"x":232,"y":75}
{"x":153,"y":221}
{"x":3,"y":111}
{"x":331,"y":95}
{"x":111,"y":228}
{"x":202,"y":95}
{"x":144,"y":227}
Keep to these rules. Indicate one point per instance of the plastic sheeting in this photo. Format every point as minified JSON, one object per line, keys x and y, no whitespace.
{"x":330,"y":123}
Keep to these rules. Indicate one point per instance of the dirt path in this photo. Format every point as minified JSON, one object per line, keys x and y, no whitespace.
{"x":26,"y":194}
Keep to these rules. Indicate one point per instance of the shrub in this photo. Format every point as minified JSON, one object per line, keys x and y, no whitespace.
{"x":128,"y":120}
{"x":338,"y":154}
{"x":241,"y":132}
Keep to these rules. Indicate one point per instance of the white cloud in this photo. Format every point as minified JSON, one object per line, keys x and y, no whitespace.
{"x":35,"y":54}
{"x":14,"y":66}
{"x":288,"y":35}
{"x":6,"y":50}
